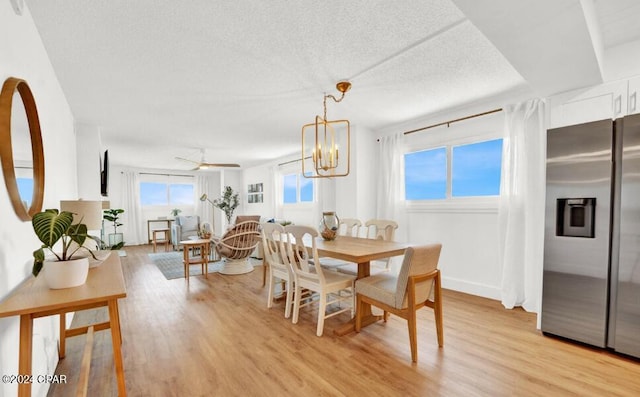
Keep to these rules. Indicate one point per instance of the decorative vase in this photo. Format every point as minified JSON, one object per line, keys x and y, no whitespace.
{"x":329,"y":225}
{"x":66,"y":274}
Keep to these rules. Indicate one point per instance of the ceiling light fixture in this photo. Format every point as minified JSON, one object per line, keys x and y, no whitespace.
{"x":321,"y":140}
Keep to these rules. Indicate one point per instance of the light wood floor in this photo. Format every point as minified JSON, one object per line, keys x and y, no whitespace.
{"x":216,"y":337}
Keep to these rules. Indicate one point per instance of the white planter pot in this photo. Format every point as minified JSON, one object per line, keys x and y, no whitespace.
{"x":66,"y":274}
{"x":236,"y":266}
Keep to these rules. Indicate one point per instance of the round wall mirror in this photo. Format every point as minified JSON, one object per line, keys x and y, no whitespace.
{"x":21,"y":152}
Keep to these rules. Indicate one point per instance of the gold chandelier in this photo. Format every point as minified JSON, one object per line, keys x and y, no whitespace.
{"x":321,"y":142}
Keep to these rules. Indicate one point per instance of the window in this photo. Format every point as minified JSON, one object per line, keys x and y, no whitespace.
{"x":297,"y":189}
{"x":425,"y":174}
{"x":160,"y":193}
{"x":475,"y":170}
{"x":25,"y":189}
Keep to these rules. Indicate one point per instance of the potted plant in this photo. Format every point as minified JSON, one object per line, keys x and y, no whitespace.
{"x":116,"y":240}
{"x":227,"y":203}
{"x":175,"y":212}
{"x":67,"y":268}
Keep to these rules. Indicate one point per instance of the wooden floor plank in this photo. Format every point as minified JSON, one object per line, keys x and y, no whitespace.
{"x":216,"y":337}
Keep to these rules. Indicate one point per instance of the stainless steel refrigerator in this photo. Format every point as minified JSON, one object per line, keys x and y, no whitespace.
{"x":591,"y":281}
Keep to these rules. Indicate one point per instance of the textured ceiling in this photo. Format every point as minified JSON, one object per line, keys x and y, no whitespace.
{"x":165,"y":78}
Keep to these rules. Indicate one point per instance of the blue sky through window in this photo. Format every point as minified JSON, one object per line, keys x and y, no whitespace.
{"x":290,"y":185}
{"x":476,"y":169}
{"x":425,"y":174}
{"x":25,"y":189}
{"x":180,"y":194}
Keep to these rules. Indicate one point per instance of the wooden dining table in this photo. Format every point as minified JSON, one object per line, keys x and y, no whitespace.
{"x":361,"y":251}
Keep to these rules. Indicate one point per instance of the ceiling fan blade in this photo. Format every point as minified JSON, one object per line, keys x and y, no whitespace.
{"x":191,"y":161}
{"x":219,"y":165}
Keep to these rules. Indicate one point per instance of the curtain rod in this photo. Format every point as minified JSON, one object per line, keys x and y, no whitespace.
{"x":447,"y":123}
{"x":151,"y":173}
{"x":293,"y":161}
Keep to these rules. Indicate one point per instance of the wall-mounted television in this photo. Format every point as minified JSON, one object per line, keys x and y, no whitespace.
{"x":104,"y":174}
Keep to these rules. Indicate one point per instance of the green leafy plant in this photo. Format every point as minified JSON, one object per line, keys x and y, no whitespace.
{"x":112,"y":215}
{"x":227,"y":203}
{"x":176,"y":211}
{"x":52,"y":226}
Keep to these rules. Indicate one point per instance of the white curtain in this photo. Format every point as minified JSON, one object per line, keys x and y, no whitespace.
{"x":134,"y":230}
{"x":276,"y":195}
{"x":204,"y":209}
{"x":521,"y":211}
{"x":390,"y":193}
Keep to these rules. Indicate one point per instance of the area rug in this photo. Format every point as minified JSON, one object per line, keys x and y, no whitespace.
{"x":170,"y":264}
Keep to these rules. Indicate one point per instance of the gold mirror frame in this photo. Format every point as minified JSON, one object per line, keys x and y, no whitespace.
{"x":11,"y":85}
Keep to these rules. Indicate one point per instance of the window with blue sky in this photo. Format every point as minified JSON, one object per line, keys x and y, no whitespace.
{"x":158,"y":193}
{"x":475,"y":170}
{"x":25,"y":189}
{"x":297,"y":189}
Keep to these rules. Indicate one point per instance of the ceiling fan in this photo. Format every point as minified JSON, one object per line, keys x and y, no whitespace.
{"x":203,"y":165}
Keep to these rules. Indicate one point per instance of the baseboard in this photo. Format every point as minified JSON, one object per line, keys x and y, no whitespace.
{"x":485,"y":291}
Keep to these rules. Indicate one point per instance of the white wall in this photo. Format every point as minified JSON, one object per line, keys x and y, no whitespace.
{"x":467,"y":228}
{"x":89,"y":149}
{"x":24,"y":56}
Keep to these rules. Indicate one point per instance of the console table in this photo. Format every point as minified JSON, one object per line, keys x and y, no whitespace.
{"x":166,"y":225}
{"x":33,"y":299}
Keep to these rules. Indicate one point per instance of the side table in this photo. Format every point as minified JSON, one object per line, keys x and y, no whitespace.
{"x":190,"y":247}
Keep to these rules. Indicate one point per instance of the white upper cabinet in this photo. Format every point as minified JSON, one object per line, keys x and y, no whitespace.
{"x":632,"y":103}
{"x":605,"y":101}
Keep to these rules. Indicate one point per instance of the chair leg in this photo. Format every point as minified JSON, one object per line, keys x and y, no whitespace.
{"x":413,"y":338}
{"x":385,"y":316}
{"x":296,"y":303}
{"x":322,"y":312}
{"x":437,"y":310}
{"x":270,"y":293}
{"x":264,"y":272}
{"x":289,"y":300}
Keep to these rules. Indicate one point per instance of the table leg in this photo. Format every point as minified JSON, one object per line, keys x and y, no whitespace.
{"x":63,"y":339}
{"x":364,"y":270}
{"x":185,"y":251}
{"x":204,"y":257}
{"x":116,"y":339}
{"x":26,"y":346}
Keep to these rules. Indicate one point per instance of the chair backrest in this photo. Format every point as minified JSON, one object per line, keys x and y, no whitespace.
{"x":383,"y":229}
{"x":244,"y":218}
{"x":273,"y":238}
{"x":239,"y":241}
{"x":304,"y":262}
{"x":417,"y":260}
{"x":349,"y":227}
{"x":188,"y":223}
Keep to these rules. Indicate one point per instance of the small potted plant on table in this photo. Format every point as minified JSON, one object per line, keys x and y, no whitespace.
{"x":69,"y":267}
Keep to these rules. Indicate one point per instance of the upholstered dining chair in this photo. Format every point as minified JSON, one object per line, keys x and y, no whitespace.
{"x":375,"y":229}
{"x":235,"y":247}
{"x":273,"y":238}
{"x":417,"y":285}
{"x":309,"y":274}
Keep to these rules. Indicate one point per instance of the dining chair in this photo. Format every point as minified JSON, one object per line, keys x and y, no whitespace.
{"x":309,"y":275}
{"x":382,"y":229}
{"x":348,"y":227}
{"x":417,"y":285}
{"x":273,"y":245}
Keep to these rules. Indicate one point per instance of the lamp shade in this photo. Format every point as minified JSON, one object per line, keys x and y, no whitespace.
{"x":90,"y":212}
